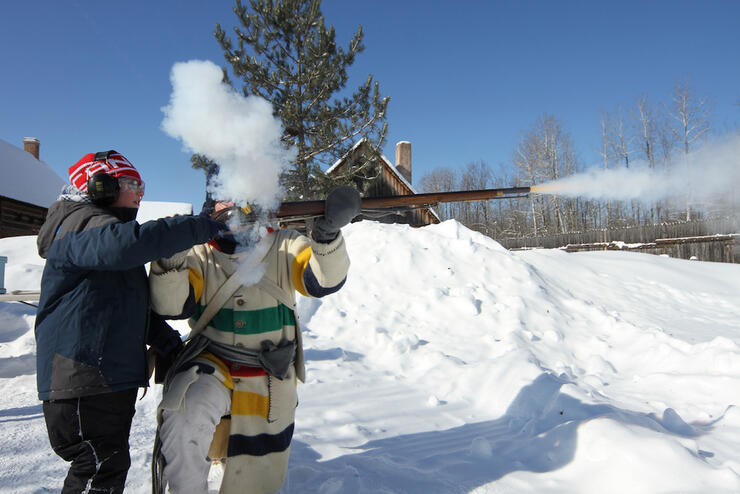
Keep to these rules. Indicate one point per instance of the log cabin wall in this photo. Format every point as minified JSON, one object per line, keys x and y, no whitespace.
{"x":20,"y":218}
{"x":389,"y":184}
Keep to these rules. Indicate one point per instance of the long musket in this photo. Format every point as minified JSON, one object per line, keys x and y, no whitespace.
{"x":306,"y":209}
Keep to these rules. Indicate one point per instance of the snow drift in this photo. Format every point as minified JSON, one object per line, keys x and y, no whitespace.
{"x":448,"y":364}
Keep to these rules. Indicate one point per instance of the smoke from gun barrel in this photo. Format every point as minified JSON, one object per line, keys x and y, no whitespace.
{"x":313,"y":208}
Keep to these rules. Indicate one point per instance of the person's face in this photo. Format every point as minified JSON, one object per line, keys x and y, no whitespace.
{"x":221,"y":205}
{"x":131,"y":193}
{"x":235,"y":218}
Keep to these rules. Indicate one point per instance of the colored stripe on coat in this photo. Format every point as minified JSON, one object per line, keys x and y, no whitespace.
{"x":261,"y":444}
{"x":250,"y":321}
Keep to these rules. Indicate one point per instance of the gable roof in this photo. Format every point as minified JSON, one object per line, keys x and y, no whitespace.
{"x":24,"y":178}
{"x":385,"y":161}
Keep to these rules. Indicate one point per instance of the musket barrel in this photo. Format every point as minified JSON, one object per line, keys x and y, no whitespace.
{"x":309,"y":208}
{"x":300,"y":208}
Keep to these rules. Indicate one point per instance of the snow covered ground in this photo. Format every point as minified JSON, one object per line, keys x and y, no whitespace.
{"x":450,"y":365}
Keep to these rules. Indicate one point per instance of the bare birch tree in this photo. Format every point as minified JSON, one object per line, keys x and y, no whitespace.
{"x":529,"y":172}
{"x":605,"y":154}
{"x":692,"y":114}
{"x":476,"y":215}
{"x":622,"y":148}
{"x":441,"y":179}
{"x":644,"y":118}
{"x":545,"y":153}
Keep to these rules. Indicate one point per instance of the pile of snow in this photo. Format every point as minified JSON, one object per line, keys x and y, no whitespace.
{"x":447,"y":364}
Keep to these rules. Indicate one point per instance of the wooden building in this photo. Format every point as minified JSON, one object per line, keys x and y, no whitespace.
{"x":392,"y":180}
{"x":27,"y":188}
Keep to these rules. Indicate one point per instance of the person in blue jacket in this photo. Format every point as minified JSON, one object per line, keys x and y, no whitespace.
{"x":94,"y":321}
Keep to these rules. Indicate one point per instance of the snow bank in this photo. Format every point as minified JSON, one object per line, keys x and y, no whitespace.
{"x":448,"y":364}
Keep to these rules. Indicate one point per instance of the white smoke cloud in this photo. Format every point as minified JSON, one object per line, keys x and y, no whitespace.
{"x":711,"y":172}
{"x":240,"y":134}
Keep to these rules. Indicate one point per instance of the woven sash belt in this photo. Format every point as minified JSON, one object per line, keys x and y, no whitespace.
{"x":274,"y":359}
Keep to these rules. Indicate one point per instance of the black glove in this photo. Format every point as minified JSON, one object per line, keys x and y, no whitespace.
{"x":162,"y":363}
{"x":342,"y":205}
{"x":166,"y":343}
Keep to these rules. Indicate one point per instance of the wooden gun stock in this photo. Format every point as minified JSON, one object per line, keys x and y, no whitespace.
{"x":315,"y":208}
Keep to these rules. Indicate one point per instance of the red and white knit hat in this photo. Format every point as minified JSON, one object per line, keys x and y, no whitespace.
{"x":115,"y":165}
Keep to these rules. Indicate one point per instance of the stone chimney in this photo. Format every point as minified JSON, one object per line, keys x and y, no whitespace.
{"x":403,"y":159}
{"x":31,"y":145}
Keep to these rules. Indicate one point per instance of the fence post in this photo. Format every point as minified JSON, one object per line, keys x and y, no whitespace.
{"x":3,"y":260}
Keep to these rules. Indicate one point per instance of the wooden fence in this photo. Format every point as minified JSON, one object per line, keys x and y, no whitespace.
{"x":715,"y":240}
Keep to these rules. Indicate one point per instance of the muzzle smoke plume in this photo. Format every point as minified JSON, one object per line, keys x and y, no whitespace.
{"x":711,"y":172}
{"x":240,"y":134}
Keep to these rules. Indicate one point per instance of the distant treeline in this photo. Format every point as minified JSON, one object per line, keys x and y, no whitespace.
{"x":652,"y":134}
{"x":631,"y":235}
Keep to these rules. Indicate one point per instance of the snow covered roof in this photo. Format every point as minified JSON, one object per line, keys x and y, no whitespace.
{"x":390,"y":166}
{"x":388,"y":163}
{"x":24,"y":178}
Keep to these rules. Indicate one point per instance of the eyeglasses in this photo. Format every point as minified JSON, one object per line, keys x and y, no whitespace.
{"x":131,"y":184}
{"x":241,"y":216}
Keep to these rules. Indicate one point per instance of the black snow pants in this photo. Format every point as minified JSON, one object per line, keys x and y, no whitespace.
{"x":92,"y":432}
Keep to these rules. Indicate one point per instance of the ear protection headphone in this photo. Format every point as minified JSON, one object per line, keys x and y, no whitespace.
{"x":101,"y":187}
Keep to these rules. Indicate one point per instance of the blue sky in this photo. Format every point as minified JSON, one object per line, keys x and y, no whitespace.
{"x":466,"y":78}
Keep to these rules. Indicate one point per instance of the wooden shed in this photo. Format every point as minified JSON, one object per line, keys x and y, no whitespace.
{"x":392,"y":180}
{"x":27,"y":189}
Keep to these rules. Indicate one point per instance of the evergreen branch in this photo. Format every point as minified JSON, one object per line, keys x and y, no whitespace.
{"x":288,"y":55}
{"x":342,"y":139}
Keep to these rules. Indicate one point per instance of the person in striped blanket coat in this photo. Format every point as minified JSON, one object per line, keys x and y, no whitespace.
{"x":247,"y":359}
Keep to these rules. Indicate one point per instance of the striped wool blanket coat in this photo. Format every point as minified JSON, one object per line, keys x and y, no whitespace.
{"x":263,"y":407}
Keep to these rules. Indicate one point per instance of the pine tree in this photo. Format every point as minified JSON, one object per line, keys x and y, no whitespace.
{"x":209,"y":167}
{"x":285,"y":53}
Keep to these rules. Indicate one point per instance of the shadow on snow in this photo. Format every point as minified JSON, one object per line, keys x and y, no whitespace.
{"x":21,"y":413}
{"x":537,"y":433}
{"x":23,"y":365}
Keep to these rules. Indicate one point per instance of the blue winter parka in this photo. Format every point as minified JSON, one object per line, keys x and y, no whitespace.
{"x":93,"y":316}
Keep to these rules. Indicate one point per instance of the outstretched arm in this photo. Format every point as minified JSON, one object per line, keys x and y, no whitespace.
{"x":122,"y":246}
